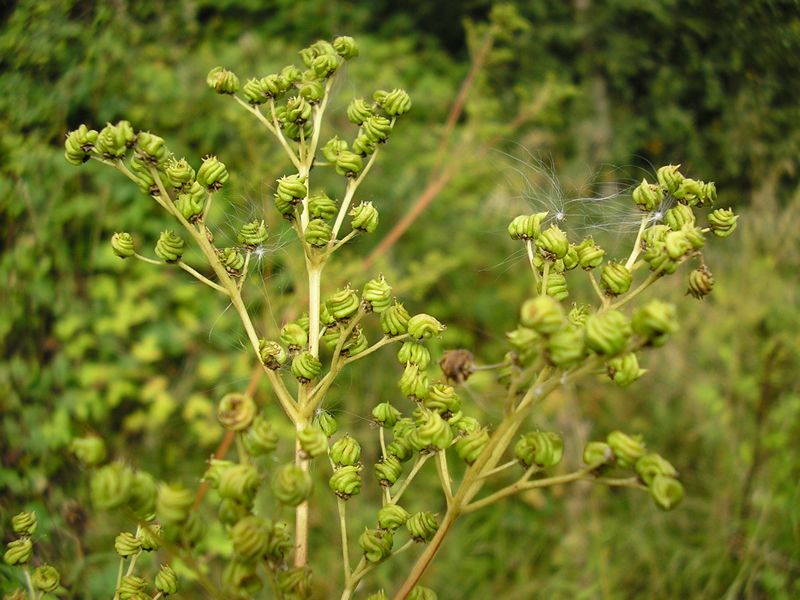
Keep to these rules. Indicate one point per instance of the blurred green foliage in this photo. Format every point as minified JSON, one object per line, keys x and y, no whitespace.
{"x":138,"y":355}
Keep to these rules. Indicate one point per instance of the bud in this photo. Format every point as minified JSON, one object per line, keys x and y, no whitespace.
{"x":471,"y":446}
{"x":394,"y":103}
{"x":272,"y":354}
{"x":90,"y":450}
{"x":392,"y":517}
{"x":260,"y":438}
{"x":345,"y":47}
{"x":46,"y":578}
{"x":346,"y":481}
{"x":433,"y":431}
{"x":647,"y":196}
{"x":349,"y":164}
{"x":305,"y":366}
{"x":422,"y":526}
{"x":252,"y":234}
{"x":318,"y":233}
{"x":624,"y":370}
{"x":553,"y":243}
{"x":597,"y":454}
{"x":394,"y":320}
{"x":150,"y":149}
{"x":376,"y":544}
{"x":590,"y":255}
{"x":541,"y":448}
{"x":19,"y":551}
{"x":236,"y":411}
{"x":526,"y":227}
{"x":627,"y":449}
{"x":132,"y":587}
{"x":79,"y":144}
{"x":607,"y":333}
{"x":442,"y":398}
{"x":345,"y":451}
{"x":364,"y":217}
{"x":24,"y":523}
{"x":678,"y":216}
{"x":566,"y":348}
{"x":722,"y":222}
{"x":192,"y":202}
{"x":651,"y":465}
{"x":414,"y":353}
{"x":110,"y":486}
{"x":239,"y":482}
{"x":169,"y":247}
{"x":423,"y":326}
{"x":615,"y":278}
{"x":543,"y":314}
{"x":385,"y":414}
{"x":655,"y":321}
{"x":313,"y":441}
{"x":166,"y":580}
{"x":377,"y":129}
{"x":174,"y":503}
{"x":701,"y":282}
{"x":422,"y":593}
{"x":388,"y":470}
{"x":291,"y":485}
{"x":294,"y":337}
{"x":666,"y":492}
{"x":126,"y":544}
{"x":250,"y":537}
{"x":669,"y":178}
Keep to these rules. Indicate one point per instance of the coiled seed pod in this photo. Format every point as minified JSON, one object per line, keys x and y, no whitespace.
{"x":392,"y":517}
{"x":626,"y":448}
{"x":677,"y":244}
{"x":624,"y":370}
{"x":313,"y":441}
{"x":132,"y":587}
{"x":359,"y":110}
{"x":294,"y":337}
{"x":590,"y":255}
{"x":343,"y":304}
{"x":90,"y":450}
{"x":377,"y":295}
{"x":414,"y":353}
{"x":442,"y":398}
{"x":239,"y":482}
{"x":291,"y":188}
{"x":669,"y":178}
{"x":320,"y":206}
{"x":216,"y":467}
{"x":651,"y":465}
{"x":701,"y":282}
{"x":471,"y":445}
{"x":553,"y":243}
{"x":541,"y":448}
{"x":722,"y":222}
{"x":345,"y":47}
{"x":413,"y":383}
{"x":346,"y":481}
{"x":24,"y":523}
{"x":192,"y":202}
{"x":250,"y":537}
{"x":433,"y":431}
{"x":318,"y":233}
{"x":607,"y":333}
{"x":377,"y":128}
{"x":143,"y":492}
{"x":272,"y":354}
{"x":252,"y":234}
{"x":526,"y":227}
{"x":579,"y":314}
{"x":364,"y":217}
{"x":312,"y":91}
{"x":678,"y":216}
{"x":255,"y":92}
{"x":655,"y":321}
{"x":150,"y":537}
{"x":46,"y":578}
{"x":236,"y":411}
{"x":79,"y":144}
{"x":543,"y":314}
{"x":647,"y":196}
{"x":422,"y":593}
{"x":394,"y":320}
{"x":260,"y":438}
{"x":385,"y":414}
{"x":363,"y":146}
{"x":298,"y":111}
{"x":401,"y":448}
{"x":394,"y":103}
{"x":666,"y":492}
{"x":18,"y":552}
{"x":166,"y":581}
{"x":113,"y":141}
{"x":376,"y":544}
{"x":180,"y":173}
{"x":232,"y":260}
{"x":169,"y":247}
{"x":241,"y":578}
{"x":231,"y":511}
{"x":349,"y":164}
{"x":126,"y":544}
{"x":566,"y":347}
{"x":122,"y":245}
{"x":305,"y":366}
{"x":597,"y":454}
{"x":291,"y":485}
{"x":174,"y":502}
{"x":615,"y":278}
{"x":345,"y":451}
{"x":556,"y":286}
{"x":222,"y":81}
{"x":212,"y":174}
{"x":690,"y":192}
{"x":110,"y":486}
{"x":422,"y":526}
{"x":325,"y":65}
{"x":388,"y":470}
{"x":423,"y":326}
{"x":326,"y":422}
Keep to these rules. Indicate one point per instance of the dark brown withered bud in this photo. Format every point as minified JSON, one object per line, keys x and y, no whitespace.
{"x":457,"y":365}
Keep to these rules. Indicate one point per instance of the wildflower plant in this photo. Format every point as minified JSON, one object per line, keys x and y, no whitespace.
{"x":427,"y":425}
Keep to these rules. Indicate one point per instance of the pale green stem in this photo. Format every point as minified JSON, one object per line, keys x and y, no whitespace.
{"x":500,"y":469}
{"x":207,"y":207}
{"x":523,"y":485}
{"x":279,"y":134}
{"x":637,"y":244}
{"x":244,"y":270}
{"x":150,"y":261}
{"x":383,"y":442}
{"x":342,"y":242}
{"x":651,"y":279}
{"x":545,"y":274}
{"x":29,"y":582}
{"x":364,"y":567}
{"x":421,"y":459}
{"x":531,"y":256}
{"x":119,"y":577}
{"x":314,"y":282}
{"x":241,"y":451}
{"x":342,"y":506}
{"x":202,"y":278}
{"x":444,"y":476}
{"x":157,"y":596}
{"x":352,"y":186}
{"x":384,"y":341}
{"x":132,"y":564}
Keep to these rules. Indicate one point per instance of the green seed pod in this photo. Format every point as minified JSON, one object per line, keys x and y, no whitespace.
{"x":260,"y":438}
{"x":343,"y":304}
{"x":174,"y":502}
{"x":364,"y":217}
{"x":90,"y":450}
{"x":298,"y":111}
{"x":142,"y":499}
{"x":313,"y":441}
{"x":394,"y":103}
{"x":694,"y":236}
{"x":401,"y":448}
{"x":305,"y":366}
{"x":345,"y":451}
{"x":222,"y":81}
{"x":291,"y":188}
{"x":388,"y":470}
{"x":624,"y":370}
{"x":79,"y":144}
{"x":627,"y":449}
{"x":325,"y":421}
{"x":709,"y":193}
{"x":666,"y":492}
{"x":571,"y":259}
{"x":377,"y":129}
{"x":24,"y":523}
{"x":655,"y":321}
{"x":526,"y":227}
{"x":579,"y":314}
{"x":423,"y":326}
{"x":701,"y":282}
{"x":356,"y":343}
{"x":607,"y":333}
{"x":312,"y":91}
{"x":294,"y":583}
{"x":192,"y":203}
{"x":379,"y":595}
{"x":318,"y":233}
{"x":349,"y":164}
{"x":126,"y":544}
{"x":150,"y":149}
{"x":241,"y":578}
{"x":414,"y":353}
{"x":597,"y":454}
{"x":553,"y":243}
{"x":376,"y":544}
{"x":377,"y":295}
{"x":659,"y":261}
{"x":216,"y":467}
{"x":541,"y":448}
{"x":422,"y":593}
{"x":333,"y":147}
{"x":443,"y":399}
{"x":320,"y":206}
{"x":590,"y":255}
{"x":363,"y":146}
{"x":236,"y":411}
{"x":132,"y":587}
{"x":690,"y":192}
{"x":385,"y":414}
{"x":345,"y":47}
{"x":180,"y":173}
{"x":150,"y":537}
{"x":359,"y":110}
{"x":46,"y":578}
{"x":472,"y":445}
{"x":166,"y":581}
{"x":647,"y":196}
{"x":296,"y":132}
{"x":169,"y":247}
{"x":239,"y":482}
{"x":272,"y":354}
{"x":678,"y":216}
{"x":669,"y":178}
{"x":567,"y":347}
{"x":291,"y":485}
{"x":250,"y":537}
{"x":122,"y":244}
{"x":525,"y":341}
{"x":394,"y":320}
{"x":110,"y":486}
{"x":230,"y":511}
{"x":433,"y":431}
{"x":294,"y":337}
{"x":290,"y":74}
{"x":113,"y":141}
{"x":255,"y":92}
{"x":543,"y":314}
{"x":677,"y":244}
{"x":556,"y":286}
{"x":392,"y":516}
{"x":346,"y":481}
{"x":651,"y":465}
{"x":232,"y":260}
{"x":280,"y":542}
{"x":422,"y":526}
{"x":325,"y":65}
{"x":275,"y":86}
{"x":413,"y":383}
{"x":19,"y":551}
{"x":252,"y":234}
{"x":722,"y":222}
{"x":615,"y":278}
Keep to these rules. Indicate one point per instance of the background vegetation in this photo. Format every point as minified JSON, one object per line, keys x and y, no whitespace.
{"x":584,"y":93}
